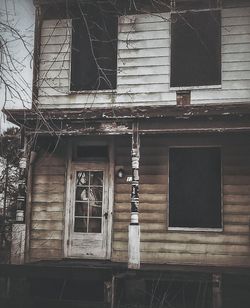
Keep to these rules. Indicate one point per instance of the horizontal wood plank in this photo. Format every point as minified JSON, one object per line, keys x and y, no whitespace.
{"x":143,"y":44}
{"x":133,"y":72}
{"x":48,"y":206}
{"x":56,"y":23}
{"x":124,"y":207}
{"x":49,"y":57}
{"x":45,"y":188}
{"x":144,"y":53}
{"x":236,"y":12}
{"x":144,"y":18}
{"x":43,"y":197}
{"x":187,"y":238}
{"x":46,"y":225}
{"x":48,"y":215}
{"x":45,"y":254}
{"x":46,"y":244}
{"x":151,"y":61}
{"x":46,"y":235}
{"x":143,"y":26}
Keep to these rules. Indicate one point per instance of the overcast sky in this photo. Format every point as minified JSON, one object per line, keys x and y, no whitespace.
{"x":20,"y":15}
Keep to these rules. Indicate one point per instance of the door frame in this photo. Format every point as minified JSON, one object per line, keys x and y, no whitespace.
{"x":110,"y":189}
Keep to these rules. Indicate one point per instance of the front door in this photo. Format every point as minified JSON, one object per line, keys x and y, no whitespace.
{"x":89,"y":217}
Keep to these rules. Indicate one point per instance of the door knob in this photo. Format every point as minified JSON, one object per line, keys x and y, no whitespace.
{"x":106,"y":215}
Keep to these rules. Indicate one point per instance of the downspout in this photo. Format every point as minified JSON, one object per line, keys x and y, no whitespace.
{"x":134,"y":227}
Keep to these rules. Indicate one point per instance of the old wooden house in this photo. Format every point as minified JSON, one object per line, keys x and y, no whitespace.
{"x":137,"y":148}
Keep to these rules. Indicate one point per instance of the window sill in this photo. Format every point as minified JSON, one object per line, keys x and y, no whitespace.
{"x":195,"y":229}
{"x":92,"y":92}
{"x":195,"y":88}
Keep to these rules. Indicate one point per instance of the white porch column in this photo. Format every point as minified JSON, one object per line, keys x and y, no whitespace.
{"x":134,"y":227}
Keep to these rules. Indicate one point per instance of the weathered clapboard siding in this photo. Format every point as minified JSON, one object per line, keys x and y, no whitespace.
{"x":54,"y":71}
{"x":143,"y":73}
{"x":47,"y":217}
{"x":160,"y":245}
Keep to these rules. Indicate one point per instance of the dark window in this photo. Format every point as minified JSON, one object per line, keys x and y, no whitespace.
{"x":94,"y":47}
{"x":195,"y":187}
{"x":195,"y":49}
{"x":91,"y":152}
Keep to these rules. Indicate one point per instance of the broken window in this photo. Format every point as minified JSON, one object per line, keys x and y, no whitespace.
{"x":195,"y":48}
{"x":94,"y":48}
{"x":195,"y":187}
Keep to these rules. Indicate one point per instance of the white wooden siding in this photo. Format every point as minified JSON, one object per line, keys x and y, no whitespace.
{"x":47,"y":221}
{"x":143,"y":72}
{"x":54,"y":71}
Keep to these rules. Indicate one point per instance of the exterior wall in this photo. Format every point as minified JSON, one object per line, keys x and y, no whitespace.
{"x":144,"y":64}
{"x":47,"y":211}
{"x":160,"y":245}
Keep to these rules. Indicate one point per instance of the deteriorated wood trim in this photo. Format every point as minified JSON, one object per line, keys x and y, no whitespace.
{"x":224,"y":110}
{"x":114,"y":121}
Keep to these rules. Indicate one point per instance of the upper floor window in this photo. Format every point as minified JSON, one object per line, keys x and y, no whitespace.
{"x":195,"y":48}
{"x":94,"y":49}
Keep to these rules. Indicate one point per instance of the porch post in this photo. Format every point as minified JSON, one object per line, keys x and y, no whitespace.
{"x":134,"y":227}
{"x":19,"y":227}
{"x":217,"y":296}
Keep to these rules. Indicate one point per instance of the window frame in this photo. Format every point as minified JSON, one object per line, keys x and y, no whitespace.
{"x":88,"y":142}
{"x":196,"y":87}
{"x":195,"y":229}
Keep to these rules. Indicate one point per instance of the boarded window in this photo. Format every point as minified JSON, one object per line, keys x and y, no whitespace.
{"x":94,"y":48}
{"x":195,"y":187}
{"x":195,"y":49}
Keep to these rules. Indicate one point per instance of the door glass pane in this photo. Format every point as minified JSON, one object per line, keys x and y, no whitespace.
{"x":95,"y":225}
{"x":82,"y":193}
{"x":82,"y":178}
{"x":81,"y":209}
{"x":95,"y":210}
{"x":95,"y":194}
{"x":96,"y":178}
{"x":88,"y":201}
{"x":80,"y":225}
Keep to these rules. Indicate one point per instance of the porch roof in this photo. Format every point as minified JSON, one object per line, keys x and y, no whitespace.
{"x":118,"y":120}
